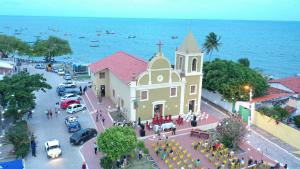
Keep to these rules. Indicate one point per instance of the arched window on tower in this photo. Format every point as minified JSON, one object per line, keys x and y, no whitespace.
{"x":194,"y":64}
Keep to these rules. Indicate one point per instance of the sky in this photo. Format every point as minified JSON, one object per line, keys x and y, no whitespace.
{"x":284,"y":10}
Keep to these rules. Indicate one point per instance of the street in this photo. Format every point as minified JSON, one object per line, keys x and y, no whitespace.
{"x":54,"y":128}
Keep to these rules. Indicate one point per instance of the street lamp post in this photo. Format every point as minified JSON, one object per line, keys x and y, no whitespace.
{"x":251,"y":106}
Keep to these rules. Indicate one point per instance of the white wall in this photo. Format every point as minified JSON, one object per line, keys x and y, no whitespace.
{"x":122,"y":91}
{"x":217,"y":99}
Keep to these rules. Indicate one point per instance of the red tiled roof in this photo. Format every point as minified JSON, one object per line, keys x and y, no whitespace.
{"x":290,"y":109}
{"x":292,"y":83}
{"x":270,"y":97}
{"x":122,"y":65}
{"x":272,"y":90}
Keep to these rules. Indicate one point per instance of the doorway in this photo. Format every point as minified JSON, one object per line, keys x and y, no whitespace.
{"x":192,"y":106}
{"x":158,"y":110}
{"x":102,"y":90}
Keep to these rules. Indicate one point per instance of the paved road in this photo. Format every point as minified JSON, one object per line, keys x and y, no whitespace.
{"x":45,"y":129}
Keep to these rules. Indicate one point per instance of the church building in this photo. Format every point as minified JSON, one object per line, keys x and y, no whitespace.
{"x":142,"y":89}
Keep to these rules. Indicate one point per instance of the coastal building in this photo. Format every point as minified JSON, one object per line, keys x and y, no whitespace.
{"x":5,"y":69}
{"x":142,"y":89}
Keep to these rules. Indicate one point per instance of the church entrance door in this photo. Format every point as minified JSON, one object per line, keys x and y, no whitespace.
{"x":192,"y":106}
{"x":158,"y":110}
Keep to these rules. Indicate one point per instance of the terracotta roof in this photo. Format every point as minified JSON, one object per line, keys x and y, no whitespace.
{"x":123,"y":65}
{"x":189,"y":45}
{"x":292,"y":83}
{"x":270,"y":97}
{"x":290,"y":109}
{"x":272,"y":90}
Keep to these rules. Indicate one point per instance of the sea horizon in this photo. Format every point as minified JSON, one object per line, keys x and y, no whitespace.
{"x":264,"y":43}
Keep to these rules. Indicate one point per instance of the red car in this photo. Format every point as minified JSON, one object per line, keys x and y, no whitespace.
{"x":64,"y":104}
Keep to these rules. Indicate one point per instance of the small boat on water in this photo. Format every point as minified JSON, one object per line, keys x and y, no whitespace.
{"x":98,"y":34}
{"x":109,"y":32}
{"x":81,"y":37}
{"x":94,"y":41}
{"x":174,"y":37}
{"x":37,"y":36}
{"x":17,"y":33}
{"x":94,"y":46}
{"x":131,"y":36}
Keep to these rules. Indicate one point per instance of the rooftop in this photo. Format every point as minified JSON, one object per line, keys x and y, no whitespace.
{"x":292,"y":83}
{"x":189,"y":45}
{"x":121,"y":64}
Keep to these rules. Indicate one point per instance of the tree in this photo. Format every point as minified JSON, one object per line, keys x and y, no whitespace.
{"x":276,"y":112}
{"x":229,"y":78}
{"x":212,"y":42}
{"x":117,"y":141}
{"x":10,"y":45}
{"x":244,"y":61}
{"x":17,"y":92}
{"x":230,"y":131}
{"x":18,"y":137}
{"x":51,"y":47}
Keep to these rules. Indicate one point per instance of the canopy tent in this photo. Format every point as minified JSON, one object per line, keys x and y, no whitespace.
{"x":15,"y":164}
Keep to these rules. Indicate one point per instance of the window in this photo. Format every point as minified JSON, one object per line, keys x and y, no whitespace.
{"x":180,"y":63}
{"x":173,"y":92}
{"x":114,"y":93}
{"x":144,"y":95}
{"x":193,"y":89}
{"x":194,"y":64}
{"x":102,"y":75}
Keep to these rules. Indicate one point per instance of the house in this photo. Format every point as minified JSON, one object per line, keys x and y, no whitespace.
{"x":144,"y":89}
{"x":5,"y":69}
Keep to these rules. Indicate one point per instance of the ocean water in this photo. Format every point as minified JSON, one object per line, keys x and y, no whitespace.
{"x":273,"y":47}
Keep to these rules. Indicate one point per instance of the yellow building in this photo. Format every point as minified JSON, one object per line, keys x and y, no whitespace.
{"x":143,"y":89}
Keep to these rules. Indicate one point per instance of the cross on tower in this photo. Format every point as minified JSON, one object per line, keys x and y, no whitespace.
{"x":159,"y":46}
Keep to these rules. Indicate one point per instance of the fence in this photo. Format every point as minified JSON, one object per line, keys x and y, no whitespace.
{"x":282,"y":131}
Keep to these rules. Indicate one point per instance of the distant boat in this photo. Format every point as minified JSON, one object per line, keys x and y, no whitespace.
{"x":17,"y":33}
{"x":98,"y":34}
{"x":68,"y":34}
{"x":174,"y":37}
{"x":94,"y":41}
{"x":109,"y":32}
{"x":81,"y":37}
{"x":94,"y":46}
{"x":131,"y":36}
{"x":37,"y":36}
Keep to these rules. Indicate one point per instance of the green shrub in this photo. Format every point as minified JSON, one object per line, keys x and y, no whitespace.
{"x":297,"y":121}
{"x":106,"y":162}
{"x":141,"y":144}
{"x":18,"y":137}
{"x":146,"y":151}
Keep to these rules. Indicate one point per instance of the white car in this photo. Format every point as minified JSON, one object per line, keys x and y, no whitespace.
{"x":68,"y":84}
{"x":61,"y":72}
{"x":74,"y":108}
{"x":52,"y":148}
{"x":70,"y":96}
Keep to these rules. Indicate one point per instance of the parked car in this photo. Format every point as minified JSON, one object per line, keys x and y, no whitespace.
{"x":40,"y":66}
{"x":65,"y":103}
{"x":74,"y":108}
{"x":68,"y":84}
{"x":68,"y":76}
{"x":61,"y":91}
{"x":61,"y":72}
{"x":70,"y":96}
{"x":72,"y":123}
{"x":82,"y":136}
{"x":53,"y":149}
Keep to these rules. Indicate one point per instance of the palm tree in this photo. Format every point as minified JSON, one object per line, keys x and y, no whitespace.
{"x":212,"y":42}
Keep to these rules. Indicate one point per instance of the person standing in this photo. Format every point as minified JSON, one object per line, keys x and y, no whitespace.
{"x":103,"y":120}
{"x":95,"y":148}
{"x":97,"y":116}
{"x":50,"y":113}
{"x":83,"y":166}
{"x":80,"y":88}
{"x":174,"y":130}
{"x":33,"y":147}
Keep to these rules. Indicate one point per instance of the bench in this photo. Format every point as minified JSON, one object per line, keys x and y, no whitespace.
{"x":200,"y":133}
